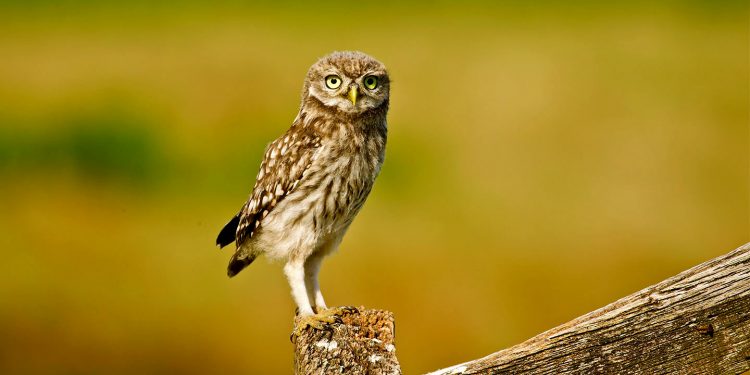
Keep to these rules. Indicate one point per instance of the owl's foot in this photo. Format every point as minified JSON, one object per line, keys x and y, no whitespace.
{"x":339,"y":311}
{"x":320,"y":322}
{"x":323,"y":320}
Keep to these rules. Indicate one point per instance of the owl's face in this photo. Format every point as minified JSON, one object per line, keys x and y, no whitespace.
{"x":350,"y":82}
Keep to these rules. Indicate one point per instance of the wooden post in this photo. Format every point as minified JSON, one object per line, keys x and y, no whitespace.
{"x":361,"y":344}
{"x":697,"y":322}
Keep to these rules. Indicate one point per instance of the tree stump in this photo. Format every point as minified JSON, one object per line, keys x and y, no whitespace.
{"x":362,"y":344}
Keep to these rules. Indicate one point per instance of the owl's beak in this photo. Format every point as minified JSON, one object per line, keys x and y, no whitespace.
{"x":352,"y":95}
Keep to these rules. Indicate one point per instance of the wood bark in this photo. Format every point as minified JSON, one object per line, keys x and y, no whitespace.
{"x":697,"y":322}
{"x":361,"y":344}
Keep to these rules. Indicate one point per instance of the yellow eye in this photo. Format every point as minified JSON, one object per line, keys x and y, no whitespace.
{"x":371,"y":82}
{"x":333,"y":82}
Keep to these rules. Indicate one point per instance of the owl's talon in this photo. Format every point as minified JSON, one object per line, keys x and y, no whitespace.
{"x":322,"y":322}
{"x":341,"y":311}
{"x":350,"y":309}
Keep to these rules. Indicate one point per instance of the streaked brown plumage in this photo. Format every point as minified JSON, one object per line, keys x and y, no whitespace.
{"x":315,"y":178}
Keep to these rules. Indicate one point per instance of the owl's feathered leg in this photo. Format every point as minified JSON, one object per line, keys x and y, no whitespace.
{"x":314,"y":295}
{"x":295,"y":273}
{"x":312,"y":268}
{"x":305,"y":288}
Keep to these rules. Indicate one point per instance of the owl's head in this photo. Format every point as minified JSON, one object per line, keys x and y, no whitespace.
{"x":350,"y":82}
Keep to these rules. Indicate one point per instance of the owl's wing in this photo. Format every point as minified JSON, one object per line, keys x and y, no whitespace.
{"x":283,"y":167}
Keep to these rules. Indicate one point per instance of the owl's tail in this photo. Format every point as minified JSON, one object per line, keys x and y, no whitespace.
{"x":239,"y":261}
{"x":228,"y":233}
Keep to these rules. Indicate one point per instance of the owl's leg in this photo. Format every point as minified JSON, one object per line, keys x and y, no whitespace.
{"x":314,"y":295}
{"x":295,"y":273}
{"x":323,"y":313}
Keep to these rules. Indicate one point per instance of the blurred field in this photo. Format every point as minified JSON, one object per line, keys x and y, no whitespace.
{"x":542,"y":162}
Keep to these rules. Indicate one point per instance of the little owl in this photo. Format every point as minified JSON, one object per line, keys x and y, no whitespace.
{"x":315,"y":177}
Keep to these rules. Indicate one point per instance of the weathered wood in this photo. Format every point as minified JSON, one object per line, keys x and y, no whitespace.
{"x":697,"y":322}
{"x":361,"y":344}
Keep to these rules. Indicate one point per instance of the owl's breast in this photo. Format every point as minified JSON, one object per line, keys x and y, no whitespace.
{"x":330,"y":194}
{"x":350,"y":166}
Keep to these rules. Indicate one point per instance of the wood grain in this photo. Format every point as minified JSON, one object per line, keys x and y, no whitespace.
{"x":697,"y":322}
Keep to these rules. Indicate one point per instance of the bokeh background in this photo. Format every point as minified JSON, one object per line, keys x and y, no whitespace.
{"x":543,"y":161}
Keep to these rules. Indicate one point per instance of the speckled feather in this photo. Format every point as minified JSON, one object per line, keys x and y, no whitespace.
{"x":284,"y":164}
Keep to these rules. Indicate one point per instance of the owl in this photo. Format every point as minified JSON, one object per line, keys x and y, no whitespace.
{"x":314,"y":179}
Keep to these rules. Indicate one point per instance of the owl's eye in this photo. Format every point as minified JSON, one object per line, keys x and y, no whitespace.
{"x":333,"y":82}
{"x":371,"y":82}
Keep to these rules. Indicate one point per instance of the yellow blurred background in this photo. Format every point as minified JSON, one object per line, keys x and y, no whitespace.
{"x":543,"y":161}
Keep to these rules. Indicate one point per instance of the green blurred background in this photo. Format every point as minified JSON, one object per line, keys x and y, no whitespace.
{"x":543,"y":161}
